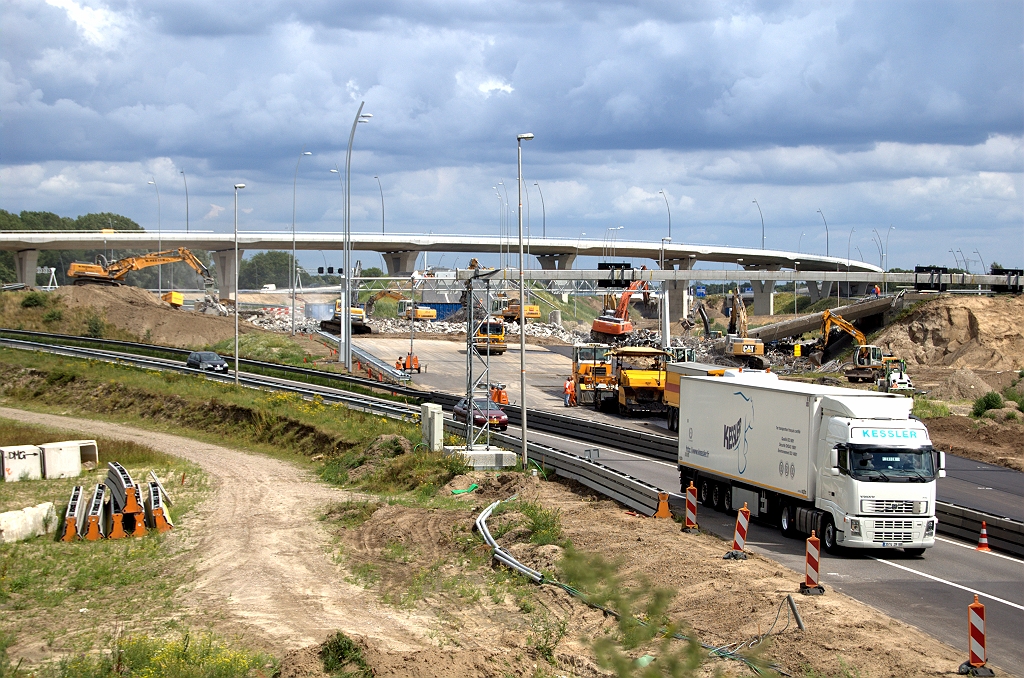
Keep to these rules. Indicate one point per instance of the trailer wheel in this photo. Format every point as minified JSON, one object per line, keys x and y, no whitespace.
{"x":727,"y":499}
{"x":716,"y":496}
{"x":828,"y":533}
{"x":705,"y":493}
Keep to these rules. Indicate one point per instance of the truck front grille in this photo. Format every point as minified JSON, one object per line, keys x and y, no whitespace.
{"x":893,"y":536}
{"x":887,"y":506}
{"x":893,"y":531}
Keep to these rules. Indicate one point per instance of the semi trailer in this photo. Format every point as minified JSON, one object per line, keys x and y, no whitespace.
{"x":853,"y":466}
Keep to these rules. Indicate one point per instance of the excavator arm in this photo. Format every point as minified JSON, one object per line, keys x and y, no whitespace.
{"x":622,"y":310}
{"x":392,"y":294}
{"x":115,"y":272}
{"x":830,"y":321}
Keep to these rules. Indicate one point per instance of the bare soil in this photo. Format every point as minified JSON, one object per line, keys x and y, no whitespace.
{"x":991,"y":441}
{"x":271,"y":574}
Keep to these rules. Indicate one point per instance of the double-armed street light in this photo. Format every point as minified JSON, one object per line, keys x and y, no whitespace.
{"x":826,"y":231}
{"x":381,"y":188}
{"x":543,"y":211}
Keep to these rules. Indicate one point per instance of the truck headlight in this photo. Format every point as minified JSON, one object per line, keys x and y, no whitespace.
{"x":854,"y":526}
{"x":920,"y":507}
{"x":929,"y":529}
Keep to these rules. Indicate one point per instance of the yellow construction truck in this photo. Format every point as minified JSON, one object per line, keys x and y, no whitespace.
{"x":591,"y":371}
{"x":489,"y":336}
{"x":639,"y":382}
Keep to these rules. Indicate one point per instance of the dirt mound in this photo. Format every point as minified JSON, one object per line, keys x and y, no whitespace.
{"x":489,"y":487}
{"x":135,"y":310}
{"x":961,"y":385}
{"x":993,"y":442}
{"x":384,"y":447}
{"x":970,"y":332}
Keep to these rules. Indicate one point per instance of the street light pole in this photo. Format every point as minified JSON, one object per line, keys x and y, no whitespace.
{"x":798,"y":241}
{"x":826,"y":231}
{"x":665,"y":196}
{"x":543,"y":211}
{"x":295,"y":268}
{"x":237,"y":186}
{"x":848,"y":242}
{"x":381,"y":188}
{"x":346,"y":303}
{"x":885,"y":255}
{"x":186,"y":199}
{"x":522,"y":301}
{"x":576,"y":289}
{"x":159,"y":240}
{"x":762,"y":222}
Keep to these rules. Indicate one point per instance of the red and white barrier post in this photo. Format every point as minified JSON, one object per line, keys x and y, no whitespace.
{"x":739,"y":539}
{"x":977,"y":654}
{"x":812,"y":564}
{"x":691,"y":509}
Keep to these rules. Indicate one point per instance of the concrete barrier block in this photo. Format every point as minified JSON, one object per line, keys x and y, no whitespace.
{"x":22,"y":462}
{"x":61,"y":460}
{"x":482,"y":459}
{"x":28,"y":522}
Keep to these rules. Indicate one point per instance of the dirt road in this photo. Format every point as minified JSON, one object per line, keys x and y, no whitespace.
{"x":262,"y":560}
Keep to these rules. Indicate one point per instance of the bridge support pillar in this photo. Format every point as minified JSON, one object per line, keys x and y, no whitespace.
{"x":556,"y":262}
{"x":678,"y":290}
{"x":400,"y":263}
{"x":819,"y":290}
{"x":224,"y":262}
{"x":764,"y":293}
{"x":25,"y":262}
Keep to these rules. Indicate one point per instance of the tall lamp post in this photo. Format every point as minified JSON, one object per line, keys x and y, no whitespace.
{"x":520,"y":138}
{"x":665,"y":196}
{"x":237,"y":186}
{"x":186,"y":199}
{"x":346,"y":303}
{"x":762,"y":222}
{"x":885,"y":255}
{"x":159,"y":239}
{"x":381,"y":203}
{"x":848,"y":242}
{"x":826,"y":231}
{"x":576,"y":289}
{"x":295,"y":268}
{"x":798,"y":241}
{"x":543,"y":212}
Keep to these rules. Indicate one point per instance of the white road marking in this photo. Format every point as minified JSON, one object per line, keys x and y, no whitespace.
{"x":988,"y":553}
{"x":948,"y":583}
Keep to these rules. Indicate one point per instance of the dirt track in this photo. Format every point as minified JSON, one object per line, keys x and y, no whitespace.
{"x":262,"y":557}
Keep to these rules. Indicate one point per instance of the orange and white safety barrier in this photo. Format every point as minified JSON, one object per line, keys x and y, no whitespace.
{"x":739,"y":539}
{"x":977,"y":653}
{"x":95,"y":527}
{"x":117,"y":530}
{"x":983,"y":539}
{"x":156,"y":514}
{"x":691,"y":508}
{"x":812,"y":564}
{"x":75,"y":515}
{"x":663,"y":509}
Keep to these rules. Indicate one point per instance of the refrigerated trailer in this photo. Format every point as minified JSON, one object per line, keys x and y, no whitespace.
{"x":854,"y":466}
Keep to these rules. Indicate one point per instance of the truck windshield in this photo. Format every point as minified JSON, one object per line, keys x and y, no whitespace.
{"x":889,"y":463}
{"x":592,"y":354}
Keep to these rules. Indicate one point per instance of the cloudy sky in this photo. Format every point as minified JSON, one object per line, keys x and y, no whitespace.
{"x":880,"y":114}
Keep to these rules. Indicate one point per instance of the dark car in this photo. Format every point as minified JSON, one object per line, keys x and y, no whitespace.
{"x":206,"y":361}
{"x":485,"y":411}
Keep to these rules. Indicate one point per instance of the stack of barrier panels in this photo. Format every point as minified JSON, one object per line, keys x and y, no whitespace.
{"x":118,"y":509}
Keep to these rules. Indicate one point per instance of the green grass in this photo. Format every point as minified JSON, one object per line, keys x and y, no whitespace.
{"x":543,"y":525}
{"x":266,"y":347}
{"x":929,"y":409}
{"x":342,"y":657}
{"x":420,"y":472}
{"x":278,"y":424}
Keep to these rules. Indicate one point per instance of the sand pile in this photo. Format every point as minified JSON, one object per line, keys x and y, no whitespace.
{"x":961,"y":385}
{"x":140,"y":312}
{"x":961,"y":332}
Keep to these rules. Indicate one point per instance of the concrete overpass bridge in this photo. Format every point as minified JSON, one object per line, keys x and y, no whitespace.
{"x":400,"y":250}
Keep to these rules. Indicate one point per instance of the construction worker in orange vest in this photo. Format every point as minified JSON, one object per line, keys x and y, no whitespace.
{"x":569,"y":390}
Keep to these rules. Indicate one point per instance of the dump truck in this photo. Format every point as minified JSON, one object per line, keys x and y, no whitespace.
{"x":853,"y":466}
{"x":639,"y":382}
{"x":489,"y":337}
{"x":591,"y":371}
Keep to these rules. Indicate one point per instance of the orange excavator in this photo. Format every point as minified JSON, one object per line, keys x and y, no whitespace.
{"x":613,"y":325}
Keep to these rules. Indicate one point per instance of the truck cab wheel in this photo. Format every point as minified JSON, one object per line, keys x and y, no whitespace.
{"x":828,"y":534}
{"x":914,"y":553}
{"x":786,"y":522}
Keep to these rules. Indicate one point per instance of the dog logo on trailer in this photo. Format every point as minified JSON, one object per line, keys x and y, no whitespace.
{"x":734,"y":436}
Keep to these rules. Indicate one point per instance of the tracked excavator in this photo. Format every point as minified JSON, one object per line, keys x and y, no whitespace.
{"x":614,"y":324}
{"x":869,"y":362}
{"x":104,"y":272}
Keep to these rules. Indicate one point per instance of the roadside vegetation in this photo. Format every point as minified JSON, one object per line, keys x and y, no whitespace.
{"x":46,"y":312}
{"x":266,"y":347}
{"x":71,"y":598}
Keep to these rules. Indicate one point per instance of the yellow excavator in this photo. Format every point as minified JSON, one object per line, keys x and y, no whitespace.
{"x":114,"y":273}
{"x":869,"y":363}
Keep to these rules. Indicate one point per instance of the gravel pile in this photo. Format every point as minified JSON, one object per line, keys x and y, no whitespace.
{"x":280,"y":320}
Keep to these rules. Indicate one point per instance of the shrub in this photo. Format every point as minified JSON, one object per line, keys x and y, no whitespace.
{"x":33,"y":299}
{"x":54,"y":315}
{"x":929,"y":409}
{"x":989,"y":401}
{"x":342,"y":657}
{"x":95,"y":327}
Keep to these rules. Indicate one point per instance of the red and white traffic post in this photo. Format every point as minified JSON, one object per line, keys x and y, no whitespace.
{"x":811,"y":585}
{"x":690,"y":524}
{"x":739,"y":538}
{"x":977,"y":654}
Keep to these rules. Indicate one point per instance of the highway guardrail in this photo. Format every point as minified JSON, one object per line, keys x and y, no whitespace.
{"x":1003,"y":534}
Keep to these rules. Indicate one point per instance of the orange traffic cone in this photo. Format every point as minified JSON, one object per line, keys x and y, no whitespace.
{"x":983,"y":540}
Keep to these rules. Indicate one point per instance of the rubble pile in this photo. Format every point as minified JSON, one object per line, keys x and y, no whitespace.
{"x":280,"y":320}
{"x":210,"y":305}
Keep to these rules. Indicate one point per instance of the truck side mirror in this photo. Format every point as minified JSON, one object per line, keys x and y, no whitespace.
{"x":833,"y":460}
{"x":942,"y":464}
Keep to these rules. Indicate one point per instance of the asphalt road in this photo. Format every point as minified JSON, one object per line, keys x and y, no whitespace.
{"x":931,"y":592}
